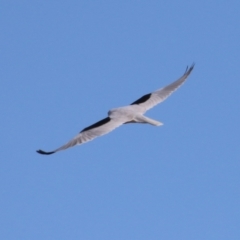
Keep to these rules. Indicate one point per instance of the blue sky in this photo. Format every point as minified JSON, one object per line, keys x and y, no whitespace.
{"x":64,"y":64}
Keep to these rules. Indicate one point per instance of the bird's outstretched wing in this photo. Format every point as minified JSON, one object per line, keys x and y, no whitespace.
{"x":98,"y":129}
{"x":150,"y":100}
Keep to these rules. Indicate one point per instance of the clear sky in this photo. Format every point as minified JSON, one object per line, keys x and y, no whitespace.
{"x":64,"y":64}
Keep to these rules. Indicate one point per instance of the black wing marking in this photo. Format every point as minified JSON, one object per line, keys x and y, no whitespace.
{"x":142,"y":99}
{"x":97,"y":124}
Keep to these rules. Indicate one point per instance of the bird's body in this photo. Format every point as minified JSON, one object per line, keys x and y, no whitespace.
{"x":133,"y":113}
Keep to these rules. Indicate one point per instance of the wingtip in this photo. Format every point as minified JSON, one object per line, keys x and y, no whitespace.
{"x":192,"y":66}
{"x":43,"y":152}
{"x":189,"y":69}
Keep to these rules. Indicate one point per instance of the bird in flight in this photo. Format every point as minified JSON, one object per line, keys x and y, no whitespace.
{"x":133,"y":113}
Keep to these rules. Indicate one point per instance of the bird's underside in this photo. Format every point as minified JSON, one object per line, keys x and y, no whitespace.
{"x":133,"y":113}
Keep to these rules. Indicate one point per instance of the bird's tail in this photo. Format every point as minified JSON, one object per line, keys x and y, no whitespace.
{"x":144,"y":119}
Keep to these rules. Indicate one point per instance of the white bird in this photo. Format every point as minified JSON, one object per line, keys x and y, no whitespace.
{"x":132,"y":113}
